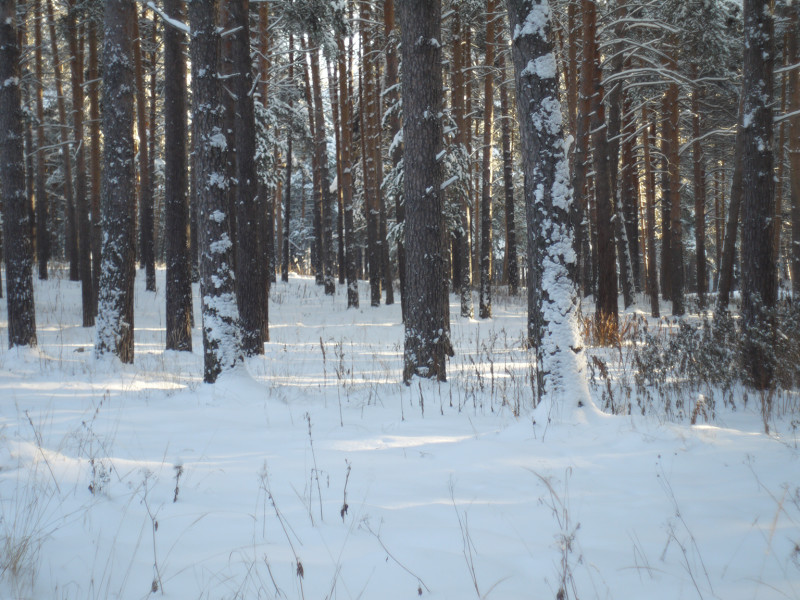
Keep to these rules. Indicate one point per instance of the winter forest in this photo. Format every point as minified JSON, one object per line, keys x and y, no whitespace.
{"x":399,"y":298}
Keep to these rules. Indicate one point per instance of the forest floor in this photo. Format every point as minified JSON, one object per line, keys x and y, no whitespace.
{"x":312,"y":472}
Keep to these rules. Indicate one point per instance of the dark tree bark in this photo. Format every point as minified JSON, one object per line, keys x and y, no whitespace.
{"x":629,"y":192}
{"x":462,"y":253}
{"x":93,"y":90}
{"x":321,"y":149}
{"x":42,"y":203}
{"x":250,"y":269}
{"x":732,"y":223}
{"x":351,"y":269}
{"x":287,"y":210}
{"x":648,"y":133}
{"x":671,"y":135}
{"x":552,"y":288}
{"x":427,"y":342}
{"x":147,"y":255}
{"x":699,"y":181}
{"x":118,"y":203}
{"x":392,"y":97}
{"x":221,"y":343}
{"x":794,"y":149}
{"x":16,"y":214}
{"x":607,"y":304}
{"x":179,"y":272}
{"x":759,"y":281}
{"x":75,"y":40}
{"x":485,"y":296}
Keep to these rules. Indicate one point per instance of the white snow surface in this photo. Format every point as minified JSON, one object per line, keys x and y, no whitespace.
{"x":447,"y":490}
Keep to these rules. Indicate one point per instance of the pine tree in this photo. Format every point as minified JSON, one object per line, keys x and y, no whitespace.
{"x":16,"y":217}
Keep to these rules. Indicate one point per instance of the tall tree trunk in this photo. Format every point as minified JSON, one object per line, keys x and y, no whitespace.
{"x":511,"y":271}
{"x":70,"y":227}
{"x":461,"y":245}
{"x":759,"y":282}
{"x":351,"y":268}
{"x":287,"y":210}
{"x":552,"y":288}
{"x":115,"y":306}
{"x":629,"y":191}
{"x":321,"y":149}
{"x":75,"y":40}
{"x":699,"y":176}
{"x":221,"y":343}
{"x":732,"y":223}
{"x":666,"y":223}
{"x":93,"y":90}
{"x":485,"y":295}
{"x":333,"y":89}
{"x":146,"y":221}
{"x":179,"y":273}
{"x":648,"y":133}
{"x":251,"y":271}
{"x":42,"y":209}
{"x":607,"y":304}
{"x":427,"y":341}
{"x":672,"y":132}
{"x":392,"y":97}
{"x":794,"y":150}
{"x":317,"y":244}
{"x":16,"y":214}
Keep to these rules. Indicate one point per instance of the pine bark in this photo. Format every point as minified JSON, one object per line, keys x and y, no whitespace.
{"x":146,"y":218}
{"x":794,"y":150}
{"x":485,"y":293}
{"x":42,"y":202}
{"x":250,"y":269}
{"x":93,"y":91}
{"x":552,"y":285}
{"x":759,"y":281}
{"x":176,"y":184}
{"x":672,"y":133}
{"x":427,"y":342}
{"x":115,"y":324}
{"x":699,"y":184}
{"x":648,"y":133}
{"x":221,"y":343}
{"x":511,"y":268}
{"x":16,"y":214}
{"x":287,"y":208}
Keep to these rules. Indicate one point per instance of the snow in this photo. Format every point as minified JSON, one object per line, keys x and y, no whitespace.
{"x":316,"y":454}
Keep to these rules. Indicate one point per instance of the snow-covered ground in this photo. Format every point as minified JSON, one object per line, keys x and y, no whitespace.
{"x":313,"y":473}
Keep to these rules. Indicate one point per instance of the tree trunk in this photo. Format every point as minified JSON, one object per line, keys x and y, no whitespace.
{"x":75,"y":40}
{"x":287,"y":211}
{"x":42,"y":210}
{"x":511,"y":269}
{"x":93,"y":90}
{"x":732,"y":223}
{"x":672,"y":131}
{"x":118,"y":203}
{"x":485,"y":295}
{"x":427,"y":340}
{"x":179,"y":273}
{"x":16,"y":215}
{"x":759,"y":282}
{"x":794,"y":150}
{"x":607,"y":305}
{"x":333,"y":90}
{"x":699,"y":176}
{"x":648,"y":133}
{"x":70,"y":227}
{"x":146,"y":221}
{"x":351,"y":268}
{"x":321,"y":149}
{"x":629,"y":191}
{"x":250,"y":269}
{"x":462,"y":259}
{"x":552,"y":288}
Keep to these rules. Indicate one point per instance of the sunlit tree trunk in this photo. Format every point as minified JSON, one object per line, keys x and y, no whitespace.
{"x":648,"y":133}
{"x":95,"y":149}
{"x":118,"y":203}
{"x":485,"y":295}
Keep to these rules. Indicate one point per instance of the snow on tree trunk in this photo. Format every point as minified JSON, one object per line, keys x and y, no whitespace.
{"x":427,"y":340}
{"x":16,"y":218}
{"x":221,"y":343}
{"x":118,"y":195}
{"x":552,"y":289}
{"x":759,"y":281}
